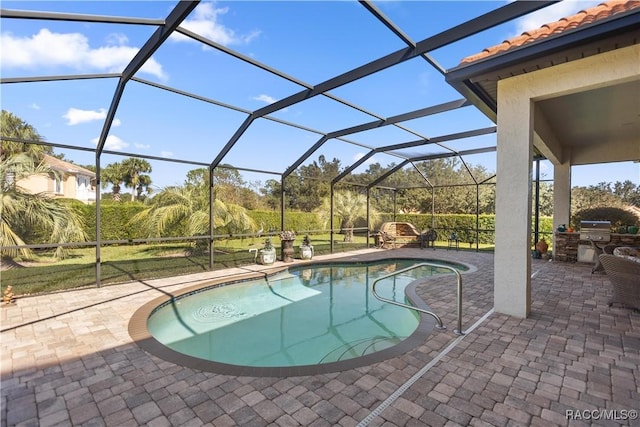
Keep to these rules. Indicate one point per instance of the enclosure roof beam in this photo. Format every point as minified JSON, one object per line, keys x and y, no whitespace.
{"x":77,"y":17}
{"x":348,"y":170}
{"x":387,"y":174}
{"x":422,"y":174}
{"x":459,"y":153}
{"x":468,"y":170}
{"x":162,"y":33}
{"x":487,"y":179}
{"x":488,"y":20}
{"x":289,"y":78}
{"x":8,"y":80}
{"x":398,"y":32}
{"x":238,"y":168}
{"x":423,"y":112}
{"x":269,"y":69}
{"x":438,"y":139}
{"x":177,"y":15}
{"x":241,"y":57}
{"x":305,"y":156}
{"x":391,"y":120}
{"x":234,"y":138}
{"x":453,"y":136}
{"x":471,"y":184}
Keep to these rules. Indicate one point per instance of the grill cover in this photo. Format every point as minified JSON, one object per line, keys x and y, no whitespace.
{"x":595,"y":230}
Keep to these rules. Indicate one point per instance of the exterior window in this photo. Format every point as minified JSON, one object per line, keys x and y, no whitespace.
{"x":58,"y":188}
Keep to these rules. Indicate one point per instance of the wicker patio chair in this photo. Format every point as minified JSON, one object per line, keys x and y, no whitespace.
{"x":387,"y":240}
{"x":624,"y":275}
{"x":598,"y":250}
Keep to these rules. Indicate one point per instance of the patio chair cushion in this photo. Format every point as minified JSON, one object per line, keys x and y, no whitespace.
{"x":626,"y":252}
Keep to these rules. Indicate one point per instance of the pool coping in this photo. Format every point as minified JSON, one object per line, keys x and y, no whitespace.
{"x":140,"y":334}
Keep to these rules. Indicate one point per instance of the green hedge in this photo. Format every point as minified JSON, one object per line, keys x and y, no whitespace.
{"x":116,"y":216}
{"x":298,"y":221}
{"x":114,"y":220}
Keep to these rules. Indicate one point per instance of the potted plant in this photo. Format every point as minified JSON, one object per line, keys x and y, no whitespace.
{"x":286,"y":241}
{"x":267,"y":255}
{"x":306,"y":249}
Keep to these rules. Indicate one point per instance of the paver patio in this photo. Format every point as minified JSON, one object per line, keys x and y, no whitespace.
{"x":67,"y":359}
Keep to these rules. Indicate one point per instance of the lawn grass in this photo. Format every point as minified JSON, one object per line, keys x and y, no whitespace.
{"x":125,"y":263}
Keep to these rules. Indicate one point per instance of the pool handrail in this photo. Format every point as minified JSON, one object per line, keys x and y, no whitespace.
{"x":421,"y":310}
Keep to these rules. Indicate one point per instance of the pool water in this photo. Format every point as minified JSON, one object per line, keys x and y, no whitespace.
{"x":304,"y":316}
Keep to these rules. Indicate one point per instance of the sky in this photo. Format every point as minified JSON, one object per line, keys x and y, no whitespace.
{"x":308,"y":41}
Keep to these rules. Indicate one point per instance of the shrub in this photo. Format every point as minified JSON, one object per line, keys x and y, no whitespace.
{"x":617,"y":216}
{"x":114,"y":220}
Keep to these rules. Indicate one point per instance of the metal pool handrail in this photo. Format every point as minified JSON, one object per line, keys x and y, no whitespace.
{"x":421,"y":310}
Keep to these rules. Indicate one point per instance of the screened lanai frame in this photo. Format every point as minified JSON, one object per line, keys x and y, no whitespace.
{"x":170,"y":25}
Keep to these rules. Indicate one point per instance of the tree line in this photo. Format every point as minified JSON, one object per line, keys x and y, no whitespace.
{"x":437,"y":186}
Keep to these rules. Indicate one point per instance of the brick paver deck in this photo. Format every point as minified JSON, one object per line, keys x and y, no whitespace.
{"x":67,"y":359}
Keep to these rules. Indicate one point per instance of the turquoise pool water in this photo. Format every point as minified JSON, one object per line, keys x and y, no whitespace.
{"x":306,"y":315}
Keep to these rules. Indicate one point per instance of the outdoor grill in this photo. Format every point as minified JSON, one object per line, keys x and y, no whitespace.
{"x":598,"y":231}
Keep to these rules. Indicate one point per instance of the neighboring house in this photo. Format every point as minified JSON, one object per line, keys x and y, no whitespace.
{"x":70,"y":181}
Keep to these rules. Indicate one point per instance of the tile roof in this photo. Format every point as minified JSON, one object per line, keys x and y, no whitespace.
{"x":584,"y":17}
{"x":67,"y":167}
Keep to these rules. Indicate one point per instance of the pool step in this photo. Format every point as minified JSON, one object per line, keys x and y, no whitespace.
{"x":359,"y":348}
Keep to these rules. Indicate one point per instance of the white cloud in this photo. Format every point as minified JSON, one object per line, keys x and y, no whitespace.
{"x":552,"y":14}
{"x":205,"y":23}
{"x":49,"y":49}
{"x":138,"y":145}
{"x":166,"y":154}
{"x":76,"y":116}
{"x":117,"y":39}
{"x":265,"y":98}
{"x":116,"y":122}
{"x":34,"y":106}
{"x":112,"y":143}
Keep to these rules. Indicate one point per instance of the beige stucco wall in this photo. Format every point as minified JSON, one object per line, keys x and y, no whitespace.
{"x":516,"y":136}
{"x":45,"y":184}
{"x":37,"y":184}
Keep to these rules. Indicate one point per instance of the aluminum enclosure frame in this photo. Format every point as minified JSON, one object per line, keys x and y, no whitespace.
{"x":181,"y":11}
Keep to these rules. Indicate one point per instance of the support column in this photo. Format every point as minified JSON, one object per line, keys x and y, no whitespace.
{"x":512,"y":277}
{"x":561,"y":194}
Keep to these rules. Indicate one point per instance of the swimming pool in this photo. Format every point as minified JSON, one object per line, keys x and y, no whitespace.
{"x":305,"y":319}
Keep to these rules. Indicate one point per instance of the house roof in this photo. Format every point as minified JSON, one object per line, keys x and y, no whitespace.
{"x":66,"y":167}
{"x":583,"y":18}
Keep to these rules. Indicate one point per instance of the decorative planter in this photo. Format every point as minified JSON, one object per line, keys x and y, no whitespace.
{"x":542,"y":247}
{"x":287,"y":250}
{"x":266,"y":256}
{"x":306,"y":251}
{"x":632,"y":229}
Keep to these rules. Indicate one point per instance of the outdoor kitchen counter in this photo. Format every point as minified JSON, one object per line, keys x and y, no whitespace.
{"x":565,"y":247}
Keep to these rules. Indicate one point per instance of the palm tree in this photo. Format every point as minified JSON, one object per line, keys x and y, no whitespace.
{"x":113,"y":174}
{"x":144,"y":184}
{"x":21,"y":210}
{"x":14,"y":127}
{"x":188,"y":207}
{"x":134,"y":169}
{"x":349,"y":207}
